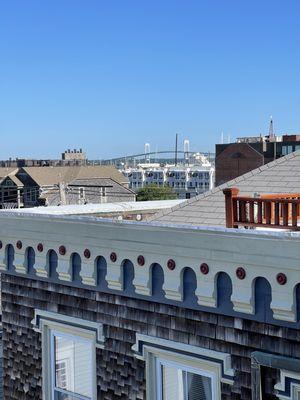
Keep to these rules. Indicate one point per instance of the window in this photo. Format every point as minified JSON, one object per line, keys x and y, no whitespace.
{"x":288,"y":387}
{"x":177,"y":382}
{"x":68,"y":355}
{"x":286,"y":150}
{"x":178,"y":371}
{"x":71,"y":367}
{"x":31,"y":194}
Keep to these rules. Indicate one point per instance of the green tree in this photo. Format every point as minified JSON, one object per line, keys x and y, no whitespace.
{"x":154,"y":192}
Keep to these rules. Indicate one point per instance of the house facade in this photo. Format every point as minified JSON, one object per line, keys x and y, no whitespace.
{"x":48,"y":185}
{"x":176,"y":308}
{"x":106,"y":310}
{"x":11,"y":188}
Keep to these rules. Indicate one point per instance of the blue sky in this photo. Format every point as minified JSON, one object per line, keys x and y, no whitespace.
{"x":109,"y":76}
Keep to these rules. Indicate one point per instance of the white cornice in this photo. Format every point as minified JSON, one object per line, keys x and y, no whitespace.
{"x":223,"y":250}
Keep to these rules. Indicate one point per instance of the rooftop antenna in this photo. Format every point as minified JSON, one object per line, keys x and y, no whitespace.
{"x":271,"y":128}
{"x":228,"y":138}
{"x":176,"y":149}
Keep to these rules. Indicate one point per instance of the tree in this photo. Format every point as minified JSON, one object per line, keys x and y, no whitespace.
{"x":154,"y":192}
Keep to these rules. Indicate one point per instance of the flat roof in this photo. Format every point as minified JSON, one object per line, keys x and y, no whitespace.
{"x":104,"y":208}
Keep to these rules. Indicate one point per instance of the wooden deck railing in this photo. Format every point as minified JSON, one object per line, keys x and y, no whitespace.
{"x":280,"y":211}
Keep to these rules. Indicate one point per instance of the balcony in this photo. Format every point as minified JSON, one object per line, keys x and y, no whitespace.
{"x":277,"y":211}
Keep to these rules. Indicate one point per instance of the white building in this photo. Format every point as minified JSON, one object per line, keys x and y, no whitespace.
{"x":187,"y":181}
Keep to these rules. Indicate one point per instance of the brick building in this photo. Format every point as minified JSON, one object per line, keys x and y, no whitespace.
{"x":235,"y":159}
{"x":180,"y":307}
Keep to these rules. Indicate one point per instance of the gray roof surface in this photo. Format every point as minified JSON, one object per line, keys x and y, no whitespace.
{"x":279,"y":176}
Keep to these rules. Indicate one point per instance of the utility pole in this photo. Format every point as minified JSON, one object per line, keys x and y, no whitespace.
{"x":176,"y":149}
{"x":271,"y":128}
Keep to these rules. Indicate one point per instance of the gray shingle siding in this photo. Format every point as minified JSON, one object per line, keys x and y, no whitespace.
{"x":119,"y":374}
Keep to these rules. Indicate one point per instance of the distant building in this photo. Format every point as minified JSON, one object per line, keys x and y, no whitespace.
{"x":248,"y":153}
{"x":74,"y":155}
{"x":186,"y":180}
{"x":11,"y":188}
{"x":33,"y":186}
{"x":68,"y":157}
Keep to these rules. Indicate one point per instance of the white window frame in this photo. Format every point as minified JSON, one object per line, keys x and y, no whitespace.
{"x":202,"y":360}
{"x":58,"y":333}
{"x":186,"y":362}
{"x":281,"y":386}
{"x":46,"y":322}
{"x":161,"y":362}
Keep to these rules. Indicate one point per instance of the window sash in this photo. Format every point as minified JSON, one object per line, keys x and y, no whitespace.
{"x":181,"y":369}
{"x":72,"y":394}
{"x":54,"y":388}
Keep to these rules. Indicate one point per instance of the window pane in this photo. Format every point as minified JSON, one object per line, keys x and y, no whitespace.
{"x":178,"y":384}
{"x":172,"y":383}
{"x":64,"y":396}
{"x":198,"y":387}
{"x":73,"y":366}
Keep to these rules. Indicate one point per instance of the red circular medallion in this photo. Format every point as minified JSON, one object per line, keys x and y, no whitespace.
{"x":171,"y":264}
{"x":87,"y":253}
{"x":113,"y":257}
{"x":141,"y":260}
{"x":40,"y":247}
{"x":19,"y":244}
{"x":62,"y":250}
{"x":204,"y":268}
{"x":240,"y":273}
{"x":281,"y":278}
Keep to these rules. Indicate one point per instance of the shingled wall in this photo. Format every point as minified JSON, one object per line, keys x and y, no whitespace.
{"x":119,"y":374}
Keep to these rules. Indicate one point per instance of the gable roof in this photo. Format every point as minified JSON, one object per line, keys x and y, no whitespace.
{"x":5,"y":172}
{"x":47,"y":176}
{"x":15,"y":180}
{"x":279,"y":176}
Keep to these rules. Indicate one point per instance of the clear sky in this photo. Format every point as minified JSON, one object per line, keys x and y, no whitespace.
{"x":109,"y":76}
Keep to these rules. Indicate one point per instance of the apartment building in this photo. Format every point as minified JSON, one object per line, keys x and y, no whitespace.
{"x":187,"y":181}
{"x":180,"y":307}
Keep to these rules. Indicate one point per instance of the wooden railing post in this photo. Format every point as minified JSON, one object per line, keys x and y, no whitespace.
{"x":229,"y":209}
